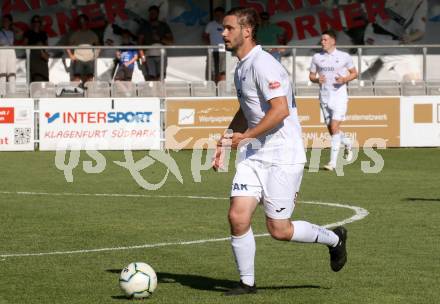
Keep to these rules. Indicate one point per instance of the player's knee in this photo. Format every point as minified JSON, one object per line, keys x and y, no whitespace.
{"x":237,"y":218}
{"x":278,"y":233}
{"x":334,"y":130}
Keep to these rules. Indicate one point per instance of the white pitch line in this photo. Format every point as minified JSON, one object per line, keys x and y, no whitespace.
{"x":111,"y":195}
{"x":360,"y":213}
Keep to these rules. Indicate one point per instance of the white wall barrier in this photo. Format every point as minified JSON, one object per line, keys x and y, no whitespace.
{"x":17,"y":124}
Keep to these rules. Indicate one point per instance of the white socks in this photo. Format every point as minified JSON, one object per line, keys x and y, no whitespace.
{"x":336,"y":143}
{"x":243,"y":248}
{"x":337,"y":139}
{"x":346,"y":141}
{"x":305,"y":232}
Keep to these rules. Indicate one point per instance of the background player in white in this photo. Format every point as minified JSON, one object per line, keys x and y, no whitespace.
{"x":333,"y":69}
{"x":271,"y":153}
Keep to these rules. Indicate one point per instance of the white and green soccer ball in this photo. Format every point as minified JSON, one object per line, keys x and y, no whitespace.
{"x":138,"y":280}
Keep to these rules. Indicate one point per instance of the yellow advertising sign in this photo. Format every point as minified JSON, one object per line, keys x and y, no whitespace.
{"x":192,"y":122}
{"x":366,"y":118}
{"x":197,"y":122}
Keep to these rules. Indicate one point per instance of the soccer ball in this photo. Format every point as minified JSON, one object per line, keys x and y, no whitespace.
{"x":138,"y":280}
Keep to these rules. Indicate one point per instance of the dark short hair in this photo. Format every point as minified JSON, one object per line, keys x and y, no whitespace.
{"x":264,"y":15}
{"x":36,"y":18}
{"x":153,"y":8}
{"x":8,"y":16}
{"x":330,"y":33}
{"x":219,"y":9}
{"x":84,"y":17}
{"x":247,"y":16}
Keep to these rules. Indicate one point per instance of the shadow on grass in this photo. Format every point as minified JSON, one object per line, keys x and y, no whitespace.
{"x":421,"y":199}
{"x":208,"y":283}
{"x":211,"y":284}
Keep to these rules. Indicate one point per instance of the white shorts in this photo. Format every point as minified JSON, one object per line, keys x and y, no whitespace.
{"x":335,"y":110}
{"x":276,"y":186}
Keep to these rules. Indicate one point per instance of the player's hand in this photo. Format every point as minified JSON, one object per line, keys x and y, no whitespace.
{"x":236,"y":139}
{"x":321,"y":79}
{"x":340,"y":79}
{"x":218,"y":158}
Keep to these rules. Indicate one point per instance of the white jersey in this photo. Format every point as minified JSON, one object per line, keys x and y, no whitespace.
{"x":331,"y":66}
{"x":215,"y":30}
{"x":259,"y":77}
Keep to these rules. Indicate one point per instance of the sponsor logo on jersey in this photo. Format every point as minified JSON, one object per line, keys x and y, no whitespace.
{"x":274,"y":85}
{"x":327,"y":69}
{"x":237,"y":186}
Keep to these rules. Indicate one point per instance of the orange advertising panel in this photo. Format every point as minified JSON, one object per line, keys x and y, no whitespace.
{"x":366,"y":118}
{"x":190,"y":122}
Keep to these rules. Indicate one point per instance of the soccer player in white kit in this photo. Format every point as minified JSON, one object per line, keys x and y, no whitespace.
{"x":333,"y":69}
{"x":270,"y":150}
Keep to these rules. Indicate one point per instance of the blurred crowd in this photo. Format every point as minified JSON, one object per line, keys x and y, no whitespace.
{"x":406,"y":25}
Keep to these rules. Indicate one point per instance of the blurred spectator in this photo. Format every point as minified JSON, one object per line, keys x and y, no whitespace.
{"x":83,"y":60}
{"x":270,"y":34}
{"x":156,"y":33}
{"x":39,"y":58}
{"x":406,"y":24}
{"x":7,"y":56}
{"x":213,"y":36}
{"x":126,"y":59}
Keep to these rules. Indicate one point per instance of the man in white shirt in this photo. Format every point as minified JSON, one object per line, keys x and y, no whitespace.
{"x":7,"y":56}
{"x":213,"y":36}
{"x":271,"y":153}
{"x":333,"y":69}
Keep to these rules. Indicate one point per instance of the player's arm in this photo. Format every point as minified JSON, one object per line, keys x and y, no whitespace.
{"x":239,"y":122}
{"x":316,"y":78}
{"x":237,"y":125}
{"x":353,"y":74}
{"x":278,"y":111}
{"x":313,"y":77}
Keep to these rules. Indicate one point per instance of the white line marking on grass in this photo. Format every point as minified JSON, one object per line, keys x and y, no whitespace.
{"x":360,"y":213}
{"x":112,"y":195}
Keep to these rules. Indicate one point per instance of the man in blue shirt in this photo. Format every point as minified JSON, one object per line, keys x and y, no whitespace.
{"x":126,"y":59}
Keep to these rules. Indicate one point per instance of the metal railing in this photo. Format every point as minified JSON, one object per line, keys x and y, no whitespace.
{"x":423,"y":48}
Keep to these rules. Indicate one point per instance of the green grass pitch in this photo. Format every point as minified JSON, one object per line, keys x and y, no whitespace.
{"x":394,"y":252}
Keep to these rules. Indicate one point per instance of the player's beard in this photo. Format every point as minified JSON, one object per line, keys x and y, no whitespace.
{"x":235,"y":44}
